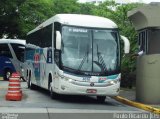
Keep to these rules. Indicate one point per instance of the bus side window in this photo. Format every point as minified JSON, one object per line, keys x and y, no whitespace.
{"x":57,"y":27}
{"x":5,"y":51}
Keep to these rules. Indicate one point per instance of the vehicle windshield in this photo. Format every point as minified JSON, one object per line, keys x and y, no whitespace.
{"x":90,"y":50}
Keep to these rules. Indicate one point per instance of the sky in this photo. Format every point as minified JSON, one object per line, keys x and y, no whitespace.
{"x":145,"y":1}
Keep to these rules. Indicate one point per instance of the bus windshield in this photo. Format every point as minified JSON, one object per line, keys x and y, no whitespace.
{"x":90,"y":50}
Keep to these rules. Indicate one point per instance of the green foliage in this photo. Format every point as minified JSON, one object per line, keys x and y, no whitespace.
{"x":32,"y":13}
{"x":8,"y":17}
{"x":105,"y":9}
{"x":86,"y":8}
{"x":65,"y":6}
{"x":17,"y":17}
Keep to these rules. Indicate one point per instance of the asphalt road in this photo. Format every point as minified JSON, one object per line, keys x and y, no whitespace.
{"x":39,"y":104}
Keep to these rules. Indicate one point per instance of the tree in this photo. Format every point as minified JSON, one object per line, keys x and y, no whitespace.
{"x":32,"y":13}
{"x":9,"y":17}
{"x":17,"y":17}
{"x":86,"y":8}
{"x":104,"y":9}
{"x":65,"y":6}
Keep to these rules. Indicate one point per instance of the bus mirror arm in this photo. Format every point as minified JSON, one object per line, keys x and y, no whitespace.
{"x":126,"y":44}
{"x":58,"y":40}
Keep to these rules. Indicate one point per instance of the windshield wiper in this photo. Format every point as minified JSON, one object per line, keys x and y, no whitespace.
{"x":84,"y":58}
{"x":100,"y":62}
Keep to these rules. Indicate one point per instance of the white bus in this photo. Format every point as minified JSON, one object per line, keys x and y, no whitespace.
{"x":11,"y":57}
{"x":76,"y":55}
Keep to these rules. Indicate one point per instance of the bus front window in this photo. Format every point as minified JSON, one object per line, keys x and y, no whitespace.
{"x":89,"y":50}
{"x":76,"y":48}
{"x":104,"y":50}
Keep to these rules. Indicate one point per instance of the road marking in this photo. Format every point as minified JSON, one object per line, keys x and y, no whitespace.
{"x":137,"y":104}
{"x":56,"y":110}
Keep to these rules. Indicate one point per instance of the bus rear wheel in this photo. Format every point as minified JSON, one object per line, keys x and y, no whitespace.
{"x":29,"y":83}
{"x":101,"y":99}
{"x":7,"y":74}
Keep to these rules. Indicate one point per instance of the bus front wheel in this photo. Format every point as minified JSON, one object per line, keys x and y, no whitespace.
{"x":101,"y":99}
{"x":52,"y":93}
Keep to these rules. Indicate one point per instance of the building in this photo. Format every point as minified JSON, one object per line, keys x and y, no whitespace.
{"x":96,"y":2}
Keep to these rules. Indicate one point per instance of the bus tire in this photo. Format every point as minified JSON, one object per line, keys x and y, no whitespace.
{"x":7,"y":74}
{"x":29,"y":83}
{"x":101,"y":99}
{"x":27,"y":75}
{"x":53,"y":95}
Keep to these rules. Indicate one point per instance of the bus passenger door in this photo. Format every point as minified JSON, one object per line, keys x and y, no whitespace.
{"x":17,"y":51}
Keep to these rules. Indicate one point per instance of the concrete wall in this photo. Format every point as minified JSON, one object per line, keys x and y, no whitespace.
{"x":148,"y":79}
{"x":145,"y":16}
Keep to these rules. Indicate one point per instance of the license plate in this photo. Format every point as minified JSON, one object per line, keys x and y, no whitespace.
{"x":91,"y":91}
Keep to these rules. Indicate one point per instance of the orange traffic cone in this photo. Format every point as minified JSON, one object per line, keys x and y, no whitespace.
{"x":14,"y":89}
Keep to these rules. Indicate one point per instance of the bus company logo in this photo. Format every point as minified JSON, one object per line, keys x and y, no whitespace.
{"x":103,"y":78}
{"x":36,"y":60}
{"x":86,"y":79}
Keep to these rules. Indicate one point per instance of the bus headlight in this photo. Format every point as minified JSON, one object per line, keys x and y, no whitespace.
{"x":112,"y":82}
{"x":66,"y":79}
{"x":70,"y":80}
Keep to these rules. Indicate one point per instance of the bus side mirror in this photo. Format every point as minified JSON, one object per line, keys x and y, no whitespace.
{"x":58,"y":40}
{"x":126,"y":44}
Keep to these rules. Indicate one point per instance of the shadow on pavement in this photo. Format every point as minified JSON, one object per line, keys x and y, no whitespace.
{"x":78,"y":98}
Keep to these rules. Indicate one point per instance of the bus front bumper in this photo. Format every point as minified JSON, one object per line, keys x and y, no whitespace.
{"x":87,"y":88}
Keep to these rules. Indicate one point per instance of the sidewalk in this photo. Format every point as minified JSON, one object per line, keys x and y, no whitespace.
{"x":130,"y":94}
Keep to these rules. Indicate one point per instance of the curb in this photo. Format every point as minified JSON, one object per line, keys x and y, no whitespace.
{"x":138,"y":105}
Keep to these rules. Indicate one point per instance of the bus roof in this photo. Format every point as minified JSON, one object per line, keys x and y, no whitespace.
{"x":78,"y":20}
{"x":18,"y":41}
